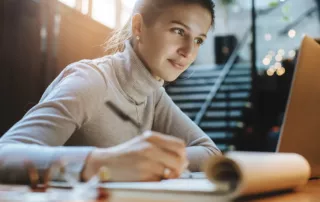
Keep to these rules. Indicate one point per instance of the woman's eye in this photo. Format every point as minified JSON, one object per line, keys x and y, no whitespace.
{"x":179,"y":31}
{"x":199,"y":41}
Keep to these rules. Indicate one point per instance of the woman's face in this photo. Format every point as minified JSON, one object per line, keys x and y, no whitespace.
{"x":171,"y":44}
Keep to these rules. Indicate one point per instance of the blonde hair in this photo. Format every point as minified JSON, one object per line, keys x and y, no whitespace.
{"x":116,"y":42}
{"x":149,"y":9}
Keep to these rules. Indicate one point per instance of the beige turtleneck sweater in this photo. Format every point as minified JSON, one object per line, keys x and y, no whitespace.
{"x":71,"y":118}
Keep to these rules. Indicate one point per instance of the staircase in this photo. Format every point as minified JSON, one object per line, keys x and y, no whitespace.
{"x":224,"y":116}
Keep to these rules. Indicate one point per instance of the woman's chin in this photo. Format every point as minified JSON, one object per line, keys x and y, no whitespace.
{"x":170,"y":77}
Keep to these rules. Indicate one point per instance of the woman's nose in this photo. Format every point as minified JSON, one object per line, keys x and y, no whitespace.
{"x":187,"y":49}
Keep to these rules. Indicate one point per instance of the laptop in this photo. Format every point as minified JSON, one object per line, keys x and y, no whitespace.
{"x":300,"y":132}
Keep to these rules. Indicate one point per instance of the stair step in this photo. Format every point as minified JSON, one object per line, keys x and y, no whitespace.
{"x":211,"y":81}
{"x":238,"y":80}
{"x":220,"y":125}
{"x":195,"y":106}
{"x":245,"y":87}
{"x":217,"y":115}
{"x":232,"y":104}
{"x":189,"y":89}
{"x":223,"y":114}
{"x":238,"y":95}
{"x":242,"y":72}
{"x":189,"y":97}
{"x":207,"y":88}
{"x":210,"y":67}
{"x":213,"y":74}
{"x":220,"y":135}
{"x":190,"y":106}
{"x":203,"y":96}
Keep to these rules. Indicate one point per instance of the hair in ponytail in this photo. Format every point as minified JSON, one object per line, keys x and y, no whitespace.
{"x":116,"y":42}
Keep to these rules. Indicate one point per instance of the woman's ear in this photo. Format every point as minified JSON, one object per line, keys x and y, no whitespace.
{"x":137,"y":23}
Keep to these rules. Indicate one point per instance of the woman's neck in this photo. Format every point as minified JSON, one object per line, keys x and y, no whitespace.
{"x":136,"y":50}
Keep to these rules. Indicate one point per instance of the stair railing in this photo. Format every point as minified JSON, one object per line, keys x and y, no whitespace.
{"x":227,"y":67}
{"x":216,"y":86}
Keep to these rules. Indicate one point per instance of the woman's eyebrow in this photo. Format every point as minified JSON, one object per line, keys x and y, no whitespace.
{"x":186,"y":26}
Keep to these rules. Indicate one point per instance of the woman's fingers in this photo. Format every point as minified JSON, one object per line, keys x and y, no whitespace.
{"x":171,"y":151}
{"x":150,"y":157}
{"x":166,"y":142}
{"x":165,"y":158}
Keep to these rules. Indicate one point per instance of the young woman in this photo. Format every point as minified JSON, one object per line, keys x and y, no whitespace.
{"x":159,"y":42}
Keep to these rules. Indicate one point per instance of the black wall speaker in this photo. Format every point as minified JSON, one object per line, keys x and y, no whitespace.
{"x":224,"y":46}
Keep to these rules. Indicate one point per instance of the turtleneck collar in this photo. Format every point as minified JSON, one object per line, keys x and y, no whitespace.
{"x":134,"y":78}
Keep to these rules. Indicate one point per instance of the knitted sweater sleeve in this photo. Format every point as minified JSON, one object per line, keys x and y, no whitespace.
{"x":39,"y":136}
{"x":169,"y":119}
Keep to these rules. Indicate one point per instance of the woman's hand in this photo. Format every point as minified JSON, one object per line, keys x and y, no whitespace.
{"x":148,"y":157}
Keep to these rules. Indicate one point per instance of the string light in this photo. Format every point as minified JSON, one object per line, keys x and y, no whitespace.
{"x":281,"y":71}
{"x":292,"y":53}
{"x":240,"y":124}
{"x":270,"y":72}
{"x":266,"y":61}
{"x":292,"y":33}
{"x":278,"y":58}
{"x":281,"y":52}
{"x":267,"y":37}
{"x":277,"y":65}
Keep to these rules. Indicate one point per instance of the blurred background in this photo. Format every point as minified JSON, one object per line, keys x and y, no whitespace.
{"x":236,"y":90}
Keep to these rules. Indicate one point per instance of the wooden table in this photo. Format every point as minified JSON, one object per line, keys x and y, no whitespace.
{"x":310,"y":193}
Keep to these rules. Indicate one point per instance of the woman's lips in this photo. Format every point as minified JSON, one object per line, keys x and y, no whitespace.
{"x":176,"y":65}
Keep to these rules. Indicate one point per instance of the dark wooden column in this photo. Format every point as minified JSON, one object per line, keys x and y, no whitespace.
{"x":49,"y":34}
{"x":20,"y":68}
